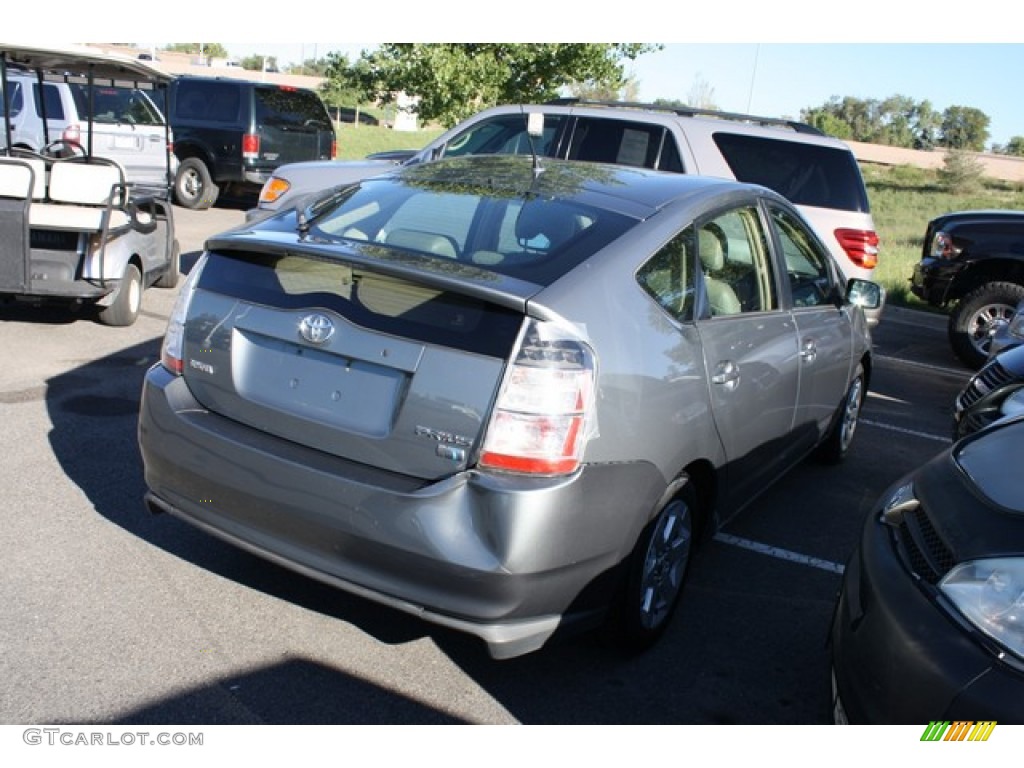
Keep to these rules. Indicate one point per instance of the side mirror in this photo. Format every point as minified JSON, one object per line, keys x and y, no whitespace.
{"x":864,"y":293}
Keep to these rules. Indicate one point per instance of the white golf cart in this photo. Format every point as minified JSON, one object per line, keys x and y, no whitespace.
{"x":72,"y":229}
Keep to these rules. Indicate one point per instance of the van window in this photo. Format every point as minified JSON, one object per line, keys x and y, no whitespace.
{"x":54,"y":105}
{"x":622,"y":142}
{"x":117,"y":105}
{"x":805,"y":174}
{"x":290,"y":108}
{"x":209,"y":102}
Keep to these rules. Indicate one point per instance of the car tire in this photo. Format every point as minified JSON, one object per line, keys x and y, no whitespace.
{"x":840,"y":437}
{"x":193,"y":185}
{"x":977,"y":315}
{"x":169,"y":279}
{"x":124,"y":309}
{"x":657,"y":571}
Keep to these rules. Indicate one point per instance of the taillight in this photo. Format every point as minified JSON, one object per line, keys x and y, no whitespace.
{"x":861,"y":245}
{"x":942,"y":246}
{"x":545,"y":411}
{"x":334,"y":149}
{"x":172,"y":354}
{"x":72,"y":132}
{"x":250,"y":146}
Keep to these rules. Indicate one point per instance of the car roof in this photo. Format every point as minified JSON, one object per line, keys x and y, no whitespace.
{"x":82,"y":60}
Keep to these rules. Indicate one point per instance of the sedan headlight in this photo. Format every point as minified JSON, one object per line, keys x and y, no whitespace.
{"x":1014,"y":404}
{"x":990,"y":594}
{"x":1016,"y":325}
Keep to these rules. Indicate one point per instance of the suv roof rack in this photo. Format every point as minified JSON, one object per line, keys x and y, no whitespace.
{"x":794,"y":125}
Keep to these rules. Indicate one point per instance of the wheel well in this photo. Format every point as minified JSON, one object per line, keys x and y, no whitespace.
{"x":987,"y":271}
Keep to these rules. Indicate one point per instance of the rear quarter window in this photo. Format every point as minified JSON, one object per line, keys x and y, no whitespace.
{"x":805,"y":174}
{"x":208,"y":102}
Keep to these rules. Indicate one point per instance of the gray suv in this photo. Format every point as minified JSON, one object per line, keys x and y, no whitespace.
{"x":507,"y":396}
{"x":817,"y":173}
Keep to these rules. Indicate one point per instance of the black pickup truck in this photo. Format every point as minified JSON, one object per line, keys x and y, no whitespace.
{"x":975,"y":261}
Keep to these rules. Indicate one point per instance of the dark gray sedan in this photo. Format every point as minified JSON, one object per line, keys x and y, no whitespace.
{"x":505,"y":396}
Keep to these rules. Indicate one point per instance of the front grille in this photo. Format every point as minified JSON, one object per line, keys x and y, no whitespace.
{"x":991,"y":377}
{"x":921,"y":547}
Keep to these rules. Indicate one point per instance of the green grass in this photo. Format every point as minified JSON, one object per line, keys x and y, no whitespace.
{"x":355,"y":143}
{"x":903,"y":200}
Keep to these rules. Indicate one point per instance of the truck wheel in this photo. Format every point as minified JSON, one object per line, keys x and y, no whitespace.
{"x":169,"y":279}
{"x":193,"y":185}
{"x":127,"y":300}
{"x":978,"y":315}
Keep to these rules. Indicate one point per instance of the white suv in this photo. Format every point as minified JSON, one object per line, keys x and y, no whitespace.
{"x":817,"y":173}
{"x":127,"y":125}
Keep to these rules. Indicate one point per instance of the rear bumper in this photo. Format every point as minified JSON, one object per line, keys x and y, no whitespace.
{"x":510,"y":560}
{"x":932,"y":280}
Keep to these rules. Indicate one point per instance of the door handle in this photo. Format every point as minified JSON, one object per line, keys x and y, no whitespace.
{"x":727,"y":373}
{"x":808,"y":350}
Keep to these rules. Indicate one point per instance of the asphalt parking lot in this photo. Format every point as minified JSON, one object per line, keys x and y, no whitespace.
{"x":112,"y":615}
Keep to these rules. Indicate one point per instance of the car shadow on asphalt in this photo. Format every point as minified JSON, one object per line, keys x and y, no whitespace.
{"x":702,"y":671}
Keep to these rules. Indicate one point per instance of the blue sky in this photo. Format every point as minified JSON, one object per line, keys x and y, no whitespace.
{"x":779,"y":79}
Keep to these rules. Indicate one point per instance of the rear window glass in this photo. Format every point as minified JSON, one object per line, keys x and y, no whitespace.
{"x":371,"y":300}
{"x":532,"y":238}
{"x":291,"y":108}
{"x":805,"y":174}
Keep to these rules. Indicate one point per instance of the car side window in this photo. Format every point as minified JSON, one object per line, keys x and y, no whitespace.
{"x":669,"y":276}
{"x":623,"y":142}
{"x":735,"y":262}
{"x":54,"y":105}
{"x":810,"y":279}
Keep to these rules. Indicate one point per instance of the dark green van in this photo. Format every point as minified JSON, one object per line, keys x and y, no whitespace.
{"x":234,"y":133}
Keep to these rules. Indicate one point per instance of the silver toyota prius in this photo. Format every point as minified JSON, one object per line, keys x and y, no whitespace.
{"x":507,"y":396}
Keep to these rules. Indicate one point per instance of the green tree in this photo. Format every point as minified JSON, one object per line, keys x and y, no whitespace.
{"x":209,"y":50}
{"x":1015,"y":146}
{"x":927,"y":123}
{"x":964,"y":128}
{"x":255,"y":63}
{"x":451,"y":81}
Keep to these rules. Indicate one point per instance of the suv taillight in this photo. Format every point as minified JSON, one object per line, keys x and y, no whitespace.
{"x":334,"y":149}
{"x":72,"y":132}
{"x":545,"y":412}
{"x":861,"y":245}
{"x":250,"y":146}
{"x":942,"y":247}
{"x":172,"y":354}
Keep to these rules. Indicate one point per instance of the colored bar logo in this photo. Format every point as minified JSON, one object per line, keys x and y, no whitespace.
{"x":961,"y":730}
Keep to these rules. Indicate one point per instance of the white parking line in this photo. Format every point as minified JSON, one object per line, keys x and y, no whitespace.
{"x":779,"y":553}
{"x":945,"y":440}
{"x":960,"y":373}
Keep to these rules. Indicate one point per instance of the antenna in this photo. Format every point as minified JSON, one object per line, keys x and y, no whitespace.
{"x":535,"y":129}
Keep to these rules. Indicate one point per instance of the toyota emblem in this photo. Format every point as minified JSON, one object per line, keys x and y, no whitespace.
{"x":316,"y":329}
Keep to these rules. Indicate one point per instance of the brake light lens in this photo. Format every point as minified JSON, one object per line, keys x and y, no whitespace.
{"x":250,"y":146}
{"x":861,"y":246}
{"x":545,"y":412}
{"x":942,"y":247}
{"x":334,"y":149}
{"x":172,"y":354}
{"x":72,"y":132}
